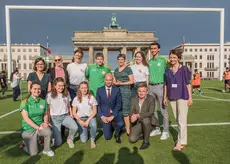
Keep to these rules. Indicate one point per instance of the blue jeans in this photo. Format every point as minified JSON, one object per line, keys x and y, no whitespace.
{"x":83,"y":131}
{"x":66,"y":121}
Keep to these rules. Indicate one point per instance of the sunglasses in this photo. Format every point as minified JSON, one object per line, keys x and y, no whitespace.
{"x":57,"y":60}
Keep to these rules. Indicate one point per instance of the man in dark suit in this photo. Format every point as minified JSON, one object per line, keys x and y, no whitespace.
{"x":142,"y":116}
{"x":109,"y":108}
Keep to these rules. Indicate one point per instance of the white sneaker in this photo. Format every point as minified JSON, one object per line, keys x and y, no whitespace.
{"x":164,"y":136}
{"x":70,"y":143}
{"x":155,"y":132}
{"x":49,"y":153}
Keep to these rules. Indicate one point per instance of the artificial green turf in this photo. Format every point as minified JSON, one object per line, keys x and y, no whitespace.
{"x":207,"y":144}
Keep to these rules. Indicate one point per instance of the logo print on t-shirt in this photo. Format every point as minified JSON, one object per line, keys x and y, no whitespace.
{"x":64,"y":100}
{"x":82,"y":70}
{"x":140,"y":70}
{"x":41,"y":106}
{"x":159,"y":64}
{"x":103,"y":72}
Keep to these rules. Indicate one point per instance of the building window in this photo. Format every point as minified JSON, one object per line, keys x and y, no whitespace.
{"x":225,"y":64}
{"x":208,"y":57}
{"x":195,"y":50}
{"x":215,"y":50}
{"x":200,"y":74}
{"x":200,"y":65}
{"x":30,"y":50}
{"x":1,"y":49}
{"x":207,"y":74}
{"x":30,"y":66}
{"x":195,"y":65}
{"x":24,"y":57}
{"x":19,"y":66}
{"x":19,"y":50}
{"x":185,"y":50}
{"x":190,"y":50}
{"x":225,"y":49}
{"x":25,"y":66}
{"x":207,"y":65}
{"x":201,"y":50}
{"x":19,"y":57}
{"x":24,"y":50}
{"x":200,"y":56}
{"x":13,"y":50}
{"x":195,"y":57}
{"x":212,"y":65}
{"x":225,"y":56}
{"x":210,"y":50}
{"x":35,"y":50}
{"x":205,"y":49}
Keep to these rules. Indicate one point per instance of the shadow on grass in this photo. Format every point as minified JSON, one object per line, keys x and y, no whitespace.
{"x":124,"y":156}
{"x":174,"y":133}
{"x":215,"y":89}
{"x":75,"y":158}
{"x":9,"y":140}
{"x":33,"y":159}
{"x":180,"y":157}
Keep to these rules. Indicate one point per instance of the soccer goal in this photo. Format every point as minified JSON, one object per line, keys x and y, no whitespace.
{"x":98,"y":8}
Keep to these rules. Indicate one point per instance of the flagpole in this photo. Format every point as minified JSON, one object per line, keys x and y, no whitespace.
{"x":183,"y":42}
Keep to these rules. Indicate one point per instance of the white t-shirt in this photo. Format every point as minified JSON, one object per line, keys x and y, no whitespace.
{"x":76,"y":73}
{"x":59,"y":104}
{"x":85,"y":107}
{"x":15,"y":81}
{"x":139,"y":72}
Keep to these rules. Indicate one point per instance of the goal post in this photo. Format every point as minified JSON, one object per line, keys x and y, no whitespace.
{"x":103,"y":8}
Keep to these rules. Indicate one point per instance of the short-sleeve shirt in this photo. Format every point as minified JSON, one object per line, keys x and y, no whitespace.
{"x":139,"y":72}
{"x":96,"y":75}
{"x":157,"y":69}
{"x":44,"y":82}
{"x":84,"y":108}
{"x":76,"y":73}
{"x":123,"y":75}
{"x":181,"y":78}
{"x":35,"y":109}
{"x":59,"y":104}
{"x":15,"y":81}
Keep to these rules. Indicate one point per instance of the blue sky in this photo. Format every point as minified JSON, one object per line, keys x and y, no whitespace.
{"x":33,"y":26}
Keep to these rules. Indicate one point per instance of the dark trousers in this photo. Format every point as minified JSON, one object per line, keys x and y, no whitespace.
{"x":72,"y":92}
{"x":16,"y":92}
{"x":107,"y":128}
{"x":141,"y":127}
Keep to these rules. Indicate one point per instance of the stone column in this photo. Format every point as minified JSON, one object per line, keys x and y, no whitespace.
{"x":91,"y":55}
{"x":105,"y":53}
{"x":124,"y":50}
{"x":148,"y":57}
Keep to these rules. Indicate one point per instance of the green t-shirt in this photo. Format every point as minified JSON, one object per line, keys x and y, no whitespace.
{"x":123,"y":76}
{"x":35,"y":109}
{"x":96,"y":75}
{"x":157,"y":70}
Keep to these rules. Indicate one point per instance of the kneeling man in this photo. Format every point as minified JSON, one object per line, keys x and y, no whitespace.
{"x":109,"y":108}
{"x":142,"y":116}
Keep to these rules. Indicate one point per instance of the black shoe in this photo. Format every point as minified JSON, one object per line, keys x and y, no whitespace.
{"x":141,"y":137}
{"x":118,"y":140}
{"x":145,"y":145}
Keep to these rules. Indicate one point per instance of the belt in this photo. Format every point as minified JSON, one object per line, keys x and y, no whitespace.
{"x":155,"y":83}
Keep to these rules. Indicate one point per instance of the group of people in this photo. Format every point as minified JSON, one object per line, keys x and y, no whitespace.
{"x":124,"y":100}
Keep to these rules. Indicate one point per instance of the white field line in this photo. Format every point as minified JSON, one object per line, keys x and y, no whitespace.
{"x":4,"y":115}
{"x":207,"y":100}
{"x":174,"y":125}
{"x":214,"y":98}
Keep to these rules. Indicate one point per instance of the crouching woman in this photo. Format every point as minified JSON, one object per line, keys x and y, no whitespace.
{"x":35,"y":121}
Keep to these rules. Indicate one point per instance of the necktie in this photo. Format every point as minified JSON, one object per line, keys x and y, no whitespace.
{"x":108,"y":95}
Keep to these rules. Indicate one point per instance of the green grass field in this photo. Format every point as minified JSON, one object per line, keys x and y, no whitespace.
{"x":206,"y":144}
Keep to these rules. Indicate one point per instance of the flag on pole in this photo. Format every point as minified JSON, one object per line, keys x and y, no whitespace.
{"x":183,"y":41}
{"x":47,"y":45}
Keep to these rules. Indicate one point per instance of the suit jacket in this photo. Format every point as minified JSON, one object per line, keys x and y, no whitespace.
{"x":147,"y":109}
{"x":104,"y":104}
{"x":52,"y":73}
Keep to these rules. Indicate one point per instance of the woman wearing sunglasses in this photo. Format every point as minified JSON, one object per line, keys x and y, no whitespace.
{"x":58,"y":70}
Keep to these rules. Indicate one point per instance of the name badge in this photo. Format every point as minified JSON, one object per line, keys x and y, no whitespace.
{"x":174,"y":85}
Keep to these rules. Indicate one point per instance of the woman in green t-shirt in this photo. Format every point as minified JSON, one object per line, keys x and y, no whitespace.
{"x":123,"y":78}
{"x":35,"y":121}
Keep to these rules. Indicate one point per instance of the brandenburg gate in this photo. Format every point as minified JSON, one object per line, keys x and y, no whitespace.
{"x":113,"y":38}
